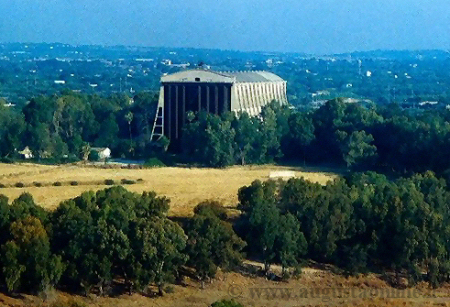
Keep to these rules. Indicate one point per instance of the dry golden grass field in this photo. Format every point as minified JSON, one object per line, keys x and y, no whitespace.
{"x":186,"y":187}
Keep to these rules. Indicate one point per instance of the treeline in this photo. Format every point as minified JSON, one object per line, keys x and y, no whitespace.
{"x":118,"y":241}
{"x":361,"y":138}
{"x":384,"y":139}
{"x":110,"y":239}
{"x":66,"y":126}
{"x":361,"y":223}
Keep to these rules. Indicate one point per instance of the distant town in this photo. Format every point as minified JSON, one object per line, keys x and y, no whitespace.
{"x":413,"y":79}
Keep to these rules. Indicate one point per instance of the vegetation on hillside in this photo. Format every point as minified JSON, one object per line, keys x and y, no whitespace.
{"x":361,"y":223}
{"x":66,"y":127}
{"x":116,"y":240}
{"x":97,"y":241}
{"x":386,"y":139}
{"x":93,"y":240}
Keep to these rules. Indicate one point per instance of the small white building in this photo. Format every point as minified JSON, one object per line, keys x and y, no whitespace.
{"x":26,"y":153}
{"x":103,"y":153}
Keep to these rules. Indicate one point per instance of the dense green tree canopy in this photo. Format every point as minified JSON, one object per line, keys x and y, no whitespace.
{"x":117,"y":233}
{"x":360,"y":222}
{"x":212,"y":241}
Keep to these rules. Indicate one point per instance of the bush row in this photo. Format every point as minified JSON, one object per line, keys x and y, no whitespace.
{"x":72,"y":183}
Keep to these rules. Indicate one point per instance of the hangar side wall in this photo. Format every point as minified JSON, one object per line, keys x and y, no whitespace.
{"x":251,"y":97}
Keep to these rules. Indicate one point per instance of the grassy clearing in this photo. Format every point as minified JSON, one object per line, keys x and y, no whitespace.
{"x":8,"y":171}
{"x":186,"y":187}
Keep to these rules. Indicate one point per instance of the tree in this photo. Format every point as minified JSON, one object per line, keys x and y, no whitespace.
{"x":117,"y":233}
{"x":247,"y":139}
{"x":28,"y":263}
{"x":326,"y":120}
{"x":264,"y":223}
{"x":158,"y":246}
{"x":12,"y":127}
{"x":210,"y":140}
{"x":4,"y":216}
{"x":211,"y":208}
{"x":129,"y":119}
{"x":85,"y":152}
{"x":357,"y":149}
{"x":39,"y":138}
{"x":258,"y":192}
{"x":212,"y":243}
{"x":12,"y":269}
{"x":296,"y":142}
{"x":84,"y":241}
{"x":290,"y":242}
{"x":269,"y":131}
{"x":144,"y":110}
{"x":24,"y":206}
{"x":108,"y":132}
{"x":74,"y":121}
{"x":272,"y":232}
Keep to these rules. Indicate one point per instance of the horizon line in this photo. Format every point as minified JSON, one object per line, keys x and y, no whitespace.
{"x":227,"y":50}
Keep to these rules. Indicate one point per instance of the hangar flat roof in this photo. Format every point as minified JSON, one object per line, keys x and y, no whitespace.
{"x":200,"y":75}
{"x":253,"y":76}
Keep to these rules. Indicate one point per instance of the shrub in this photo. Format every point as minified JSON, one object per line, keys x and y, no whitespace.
{"x":74,"y":183}
{"x":154,"y":162}
{"x":37,"y":184}
{"x":297,"y":271}
{"x":140,"y":180}
{"x":7,"y":160}
{"x":127,"y":181}
{"x":285,"y":276}
{"x":169,"y":289}
{"x":57,"y":184}
{"x":109,"y":182}
{"x":19,"y":185}
{"x":48,"y":294}
{"x":94,"y":156}
{"x":211,"y":207}
{"x":2,"y":186}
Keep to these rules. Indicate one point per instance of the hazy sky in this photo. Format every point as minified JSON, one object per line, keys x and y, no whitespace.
{"x":313,"y":26}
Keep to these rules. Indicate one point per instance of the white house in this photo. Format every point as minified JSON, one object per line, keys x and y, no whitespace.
{"x":26,"y":153}
{"x":103,"y":153}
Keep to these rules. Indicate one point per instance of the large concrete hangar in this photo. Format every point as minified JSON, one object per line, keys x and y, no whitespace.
{"x":213,"y":92}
